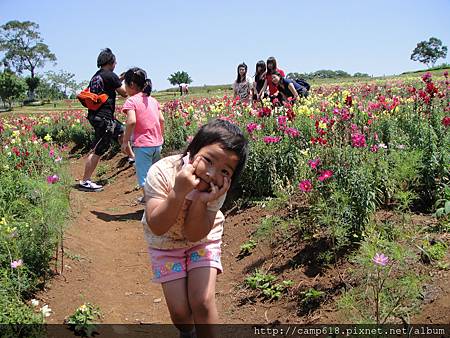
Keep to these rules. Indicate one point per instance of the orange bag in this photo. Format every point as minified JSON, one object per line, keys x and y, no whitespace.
{"x":90,"y":100}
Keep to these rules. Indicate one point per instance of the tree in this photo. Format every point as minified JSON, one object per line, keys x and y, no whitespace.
{"x":428,"y":52}
{"x":12,"y":87}
{"x":179,"y":77}
{"x":24,"y":48}
{"x":63,"y":80}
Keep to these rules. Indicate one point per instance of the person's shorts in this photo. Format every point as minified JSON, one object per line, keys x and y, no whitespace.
{"x":172,"y":264}
{"x":105,"y":130}
{"x":144,"y":159}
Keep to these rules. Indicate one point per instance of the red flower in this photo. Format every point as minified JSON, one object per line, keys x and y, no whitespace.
{"x":446,"y":121}
{"x":324,"y":175}
{"x":305,"y":186}
{"x":314,"y":163}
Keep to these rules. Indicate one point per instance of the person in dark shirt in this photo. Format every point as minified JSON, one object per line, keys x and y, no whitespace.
{"x":106,"y":127}
{"x":287,"y":88}
{"x":260,"y":83}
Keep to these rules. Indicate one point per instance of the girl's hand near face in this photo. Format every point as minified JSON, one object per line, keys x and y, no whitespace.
{"x":215,"y":192}
{"x":186,"y":180}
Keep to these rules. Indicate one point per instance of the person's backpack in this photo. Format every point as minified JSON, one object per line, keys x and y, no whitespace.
{"x":94,"y":99}
{"x":303,"y":83}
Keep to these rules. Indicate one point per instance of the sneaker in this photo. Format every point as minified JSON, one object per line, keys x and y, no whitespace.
{"x":131,"y":160}
{"x":90,"y":186}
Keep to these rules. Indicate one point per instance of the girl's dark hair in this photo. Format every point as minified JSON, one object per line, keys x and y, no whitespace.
{"x":138,"y":76}
{"x":105,"y":57}
{"x":238,"y":80}
{"x":228,"y":135}
{"x":260,"y":64}
{"x":276,"y":72}
{"x":272,"y":61}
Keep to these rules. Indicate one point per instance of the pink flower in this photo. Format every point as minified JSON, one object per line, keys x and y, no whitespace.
{"x":305,"y":186}
{"x":314,"y":163}
{"x":358,"y":140}
{"x":324,"y":175}
{"x":374,"y":148}
{"x":271,"y":139}
{"x":380,"y":259}
{"x":252,"y":126}
{"x":282,"y":121}
{"x":52,"y":179}
{"x":16,"y":264}
{"x":292,"y":132}
{"x":51,"y":152}
{"x":426,"y":77}
{"x":58,"y":159}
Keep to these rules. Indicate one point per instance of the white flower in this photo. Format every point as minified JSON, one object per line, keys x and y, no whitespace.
{"x":34,"y":302}
{"x":46,"y":311}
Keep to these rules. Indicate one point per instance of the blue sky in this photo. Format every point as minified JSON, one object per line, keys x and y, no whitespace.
{"x":208,"y":39}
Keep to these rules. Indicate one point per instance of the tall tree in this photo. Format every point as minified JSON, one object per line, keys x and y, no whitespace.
{"x":179,"y":77}
{"x":24,"y":48}
{"x":428,"y":52}
{"x":63,"y":80}
{"x":12,"y":87}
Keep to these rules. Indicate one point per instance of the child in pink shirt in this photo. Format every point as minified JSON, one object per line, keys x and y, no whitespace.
{"x":145,"y":122}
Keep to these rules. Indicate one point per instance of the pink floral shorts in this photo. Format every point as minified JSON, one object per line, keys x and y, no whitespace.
{"x":171,"y":264}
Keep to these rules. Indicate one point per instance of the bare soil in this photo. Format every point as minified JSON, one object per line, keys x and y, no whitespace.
{"x":106,"y":263}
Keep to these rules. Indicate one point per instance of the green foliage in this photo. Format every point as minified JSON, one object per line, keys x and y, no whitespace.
{"x":433,"y":251}
{"x":23,"y":46}
{"x":247,"y":247}
{"x":265,"y":283}
{"x":428,"y":52}
{"x":389,"y":290}
{"x":83,"y":318}
{"x":179,"y":77}
{"x":12,"y":88}
{"x":14,"y":311}
{"x":442,"y":205}
{"x":267,"y":227}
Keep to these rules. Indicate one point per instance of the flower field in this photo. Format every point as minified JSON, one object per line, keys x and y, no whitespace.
{"x":343,"y":154}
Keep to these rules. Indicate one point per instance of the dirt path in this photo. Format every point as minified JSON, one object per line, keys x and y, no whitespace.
{"x":106,"y":260}
{"x":106,"y":263}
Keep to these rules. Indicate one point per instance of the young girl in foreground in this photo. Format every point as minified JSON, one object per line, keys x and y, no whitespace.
{"x":183,"y":224}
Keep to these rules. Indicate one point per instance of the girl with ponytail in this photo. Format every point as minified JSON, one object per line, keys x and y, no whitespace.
{"x":145,"y":122}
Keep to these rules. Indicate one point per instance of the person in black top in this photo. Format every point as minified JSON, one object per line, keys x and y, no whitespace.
{"x":260,"y":84}
{"x":106,"y":127}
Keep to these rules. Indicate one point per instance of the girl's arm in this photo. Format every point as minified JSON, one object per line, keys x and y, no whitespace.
{"x":235,"y":89}
{"x":162,"y":214}
{"x":293,"y":91}
{"x":131,"y":123}
{"x":199,"y":220}
{"x":161,"y":123}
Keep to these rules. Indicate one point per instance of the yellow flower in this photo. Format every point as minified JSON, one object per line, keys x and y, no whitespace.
{"x":304,"y":152}
{"x":16,"y":133}
{"x":48,"y":138}
{"x":3,"y":221}
{"x":322,"y":125}
{"x":82,"y":308}
{"x":201,"y":252}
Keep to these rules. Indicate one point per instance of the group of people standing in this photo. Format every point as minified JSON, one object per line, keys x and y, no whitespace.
{"x":183,"y":193}
{"x":269,"y":82}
